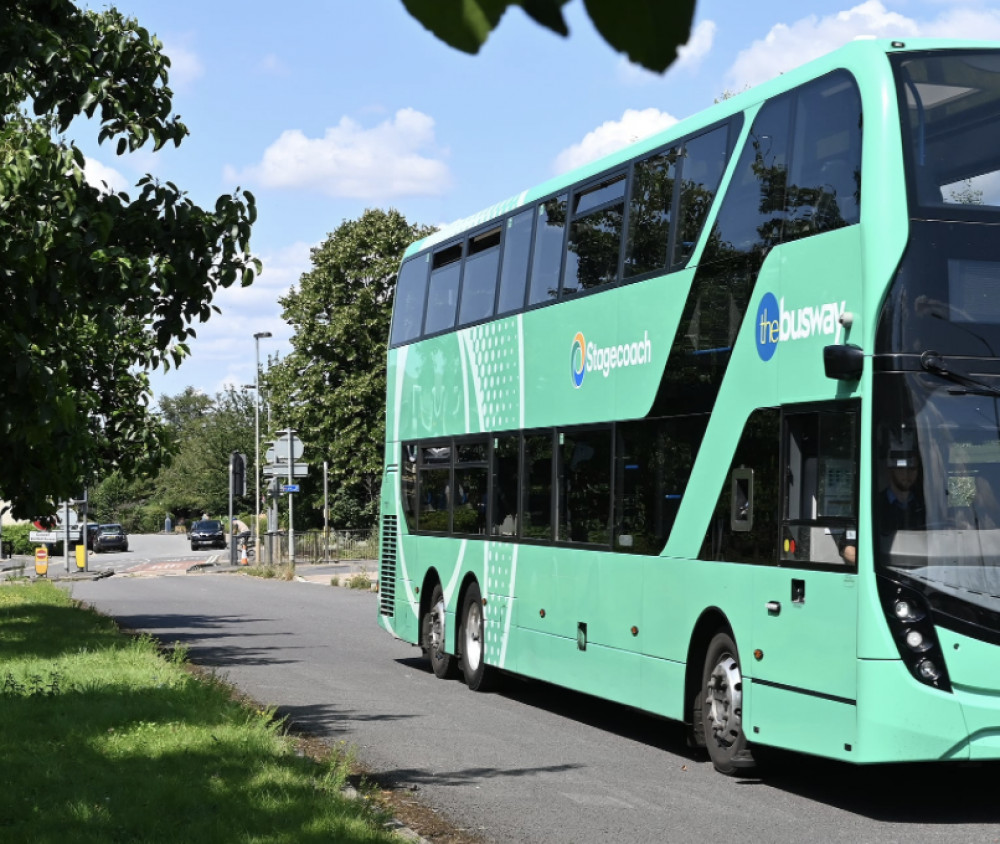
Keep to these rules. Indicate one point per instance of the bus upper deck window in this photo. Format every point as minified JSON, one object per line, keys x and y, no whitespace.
{"x":595,"y":237}
{"x":442,"y":291}
{"x":479,"y":280}
{"x":547,"y":259}
{"x":650,"y":204}
{"x":411,"y":293}
{"x":514,"y":269}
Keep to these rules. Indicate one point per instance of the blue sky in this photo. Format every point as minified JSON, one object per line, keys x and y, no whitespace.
{"x":324,"y":109}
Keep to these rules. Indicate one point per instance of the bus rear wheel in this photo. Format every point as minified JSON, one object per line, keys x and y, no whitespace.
{"x":478,"y":675}
{"x":720,"y":703}
{"x":432,"y":636}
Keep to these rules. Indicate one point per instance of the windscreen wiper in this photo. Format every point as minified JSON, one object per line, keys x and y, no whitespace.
{"x":935,"y":363}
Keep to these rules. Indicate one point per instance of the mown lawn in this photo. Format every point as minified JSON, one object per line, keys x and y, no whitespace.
{"x":103,"y":738}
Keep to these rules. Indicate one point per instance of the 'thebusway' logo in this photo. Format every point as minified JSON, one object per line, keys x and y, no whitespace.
{"x":590,"y":357}
{"x":775,"y":324}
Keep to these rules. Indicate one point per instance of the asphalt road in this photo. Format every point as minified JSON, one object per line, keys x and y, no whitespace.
{"x":143,"y":549}
{"x":532,"y":763}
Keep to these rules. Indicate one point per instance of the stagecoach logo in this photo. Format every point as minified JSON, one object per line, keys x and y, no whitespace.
{"x":589,"y":357}
{"x":776,"y":325}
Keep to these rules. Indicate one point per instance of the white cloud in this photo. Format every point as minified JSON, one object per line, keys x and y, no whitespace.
{"x":102,"y":177}
{"x":689,"y":57}
{"x":395,"y":158}
{"x":966,"y":23}
{"x":612,"y":136}
{"x":224,"y":351}
{"x":185,"y":66}
{"x":787,"y":46}
{"x":698,"y":46}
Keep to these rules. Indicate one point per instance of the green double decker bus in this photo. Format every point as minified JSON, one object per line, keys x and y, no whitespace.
{"x":711,"y":427}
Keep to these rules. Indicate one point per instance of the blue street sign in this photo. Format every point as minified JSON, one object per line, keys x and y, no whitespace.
{"x":289,"y":487}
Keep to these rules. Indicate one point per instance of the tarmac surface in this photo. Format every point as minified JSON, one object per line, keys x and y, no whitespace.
{"x":321,"y":573}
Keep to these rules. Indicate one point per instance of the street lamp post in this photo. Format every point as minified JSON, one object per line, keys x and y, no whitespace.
{"x":260,"y":335}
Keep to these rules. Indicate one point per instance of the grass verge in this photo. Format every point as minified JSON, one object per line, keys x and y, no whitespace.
{"x":106,"y":739}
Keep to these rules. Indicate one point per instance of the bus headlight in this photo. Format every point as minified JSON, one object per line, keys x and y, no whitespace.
{"x":905,"y":610}
{"x":928,"y":670}
{"x":909,"y":617}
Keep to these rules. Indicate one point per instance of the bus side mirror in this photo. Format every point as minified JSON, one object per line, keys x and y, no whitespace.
{"x":844,"y":362}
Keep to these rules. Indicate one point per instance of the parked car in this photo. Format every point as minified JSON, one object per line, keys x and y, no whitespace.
{"x":207,"y":532}
{"x":92,"y":531}
{"x":110,"y":538}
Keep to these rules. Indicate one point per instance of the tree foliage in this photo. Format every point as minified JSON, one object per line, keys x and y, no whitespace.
{"x":197,"y":479}
{"x":178,"y":412}
{"x":100,"y":287}
{"x":331,"y":388}
{"x":647,"y":31}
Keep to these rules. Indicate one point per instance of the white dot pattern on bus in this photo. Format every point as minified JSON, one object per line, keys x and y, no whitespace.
{"x":498,"y":584}
{"x":493,"y":354}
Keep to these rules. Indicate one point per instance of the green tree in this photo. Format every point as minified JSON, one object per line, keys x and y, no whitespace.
{"x":197,"y":479}
{"x":126,"y":501}
{"x":967,"y":194}
{"x":647,"y":31}
{"x":100,"y":287}
{"x":177,"y":412}
{"x":331,"y":388}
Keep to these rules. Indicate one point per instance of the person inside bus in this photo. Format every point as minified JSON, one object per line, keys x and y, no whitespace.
{"x":900,"y":505}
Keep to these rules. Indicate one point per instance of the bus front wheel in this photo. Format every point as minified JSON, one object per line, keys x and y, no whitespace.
{"x":443,"y":664}
{"x":478,"y":675}
{"x":721,"y":707}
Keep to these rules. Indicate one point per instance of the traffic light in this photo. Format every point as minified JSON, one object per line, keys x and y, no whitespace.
{"x":238,"y":464}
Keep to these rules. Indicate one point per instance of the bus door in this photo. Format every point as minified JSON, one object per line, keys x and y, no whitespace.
{"x":804,"y":648}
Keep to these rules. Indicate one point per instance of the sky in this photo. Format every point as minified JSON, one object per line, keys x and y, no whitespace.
{"x":326,"y":108}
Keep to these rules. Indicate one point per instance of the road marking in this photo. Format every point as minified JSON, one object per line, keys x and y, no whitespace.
{"x":168,"y":565}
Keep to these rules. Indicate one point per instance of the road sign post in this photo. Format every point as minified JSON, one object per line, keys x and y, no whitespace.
{"x":66,"y":537}
{"x":290,"y":442}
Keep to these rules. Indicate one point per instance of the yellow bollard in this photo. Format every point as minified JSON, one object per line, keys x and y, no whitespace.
{"x":81,"y":557}
{"x":42,"y":561}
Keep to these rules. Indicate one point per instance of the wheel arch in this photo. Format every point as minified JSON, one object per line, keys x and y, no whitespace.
{"x":463,"y":590}
{"x":710,"y":622}
{"x":431,"y":579}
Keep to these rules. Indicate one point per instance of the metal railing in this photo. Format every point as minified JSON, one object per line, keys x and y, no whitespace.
{"x":316,"y":547}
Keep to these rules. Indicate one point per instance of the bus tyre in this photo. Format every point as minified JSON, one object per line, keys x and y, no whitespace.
{"x":432,"y":637}
{"x":478,"y":675}
{"x":721,"y":707}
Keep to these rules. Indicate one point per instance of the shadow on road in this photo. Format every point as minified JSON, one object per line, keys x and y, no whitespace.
{"x":410,"y":777}
{"x":207,"y":631}
{"x":322,"y":718}
{"x":927,"y":793}
{"x":595,"y":712}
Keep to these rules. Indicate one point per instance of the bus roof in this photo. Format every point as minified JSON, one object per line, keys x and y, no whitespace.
{"x":851,"y":56}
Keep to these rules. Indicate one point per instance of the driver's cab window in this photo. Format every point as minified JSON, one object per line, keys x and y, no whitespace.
{"x":820,"y":524}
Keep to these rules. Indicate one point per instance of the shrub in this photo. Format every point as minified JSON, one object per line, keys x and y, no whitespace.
{"x":17,"y":535}
{"x":359,"y":581}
